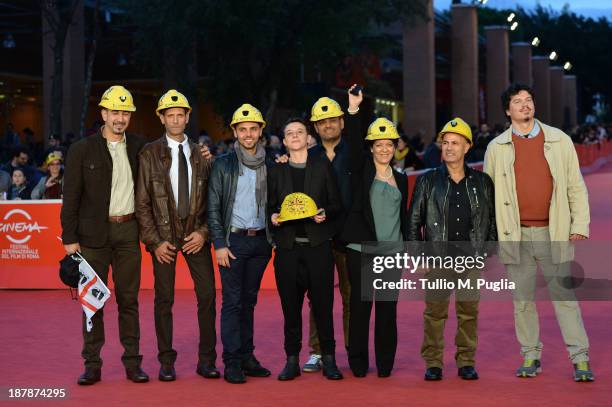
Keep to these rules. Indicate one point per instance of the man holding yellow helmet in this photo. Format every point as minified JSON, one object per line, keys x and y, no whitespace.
{"x":452,"y":203}
{"x":303,"y":200}
{"x":98,"y":221}
{"x":170,"y":207}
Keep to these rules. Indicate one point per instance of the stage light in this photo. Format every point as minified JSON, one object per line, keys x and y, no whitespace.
{"x":535,"y":42}
{"x":514,"y":25}
{"x":553,"y":56}
{"x":567,"y":66}
{"x":511,"y":17}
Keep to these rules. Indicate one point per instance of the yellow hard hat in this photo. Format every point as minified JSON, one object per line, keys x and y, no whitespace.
{"x":324,"y":108}
{"x":117,"y":98}
{"x":247,"y":113}
{"x":297,"y":206}
{"x":172,"y":98}
{"x":382,"y":129}
{"x":53,"y":157}
{"x":457,"y":126}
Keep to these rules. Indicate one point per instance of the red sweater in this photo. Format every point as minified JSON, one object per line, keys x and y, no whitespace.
{"x":534,"y":183}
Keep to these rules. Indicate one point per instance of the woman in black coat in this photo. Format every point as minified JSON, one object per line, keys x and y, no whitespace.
{"x":377,"y":214}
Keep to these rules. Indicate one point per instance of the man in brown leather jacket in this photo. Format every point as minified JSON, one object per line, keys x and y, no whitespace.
{"x":171,"y":210}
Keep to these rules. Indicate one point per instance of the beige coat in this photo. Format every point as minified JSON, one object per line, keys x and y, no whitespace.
{"x":569,"y":205}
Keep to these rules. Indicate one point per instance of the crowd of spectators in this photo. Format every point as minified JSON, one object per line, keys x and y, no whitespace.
{"x":29,"y":170}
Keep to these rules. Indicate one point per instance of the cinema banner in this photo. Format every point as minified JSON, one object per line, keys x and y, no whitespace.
{"x":30,"y":250}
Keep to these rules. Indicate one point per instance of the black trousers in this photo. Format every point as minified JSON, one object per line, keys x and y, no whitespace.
{"x":201,"y":269}
{"x":385,"y":328}
{"x":122,"y":253}
{"x":300,"y":270}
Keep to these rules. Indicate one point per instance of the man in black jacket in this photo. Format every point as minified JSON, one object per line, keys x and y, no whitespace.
{"x":303,"y":260}
{"x":452,"y":203}
{"x":237,"y":226}
{"x":98,"y":220}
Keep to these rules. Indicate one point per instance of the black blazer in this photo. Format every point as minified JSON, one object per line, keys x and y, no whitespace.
{"x":359,"y":226}
{"x":320,"y":184}
{"x":87,"y":188}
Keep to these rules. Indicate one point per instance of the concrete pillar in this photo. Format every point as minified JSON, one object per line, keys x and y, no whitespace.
{"x":74,"y":72}
{"x":498,"y":72}
{"x":570,"y":109}
{"x":464,"y":62}
{"x":541,"y":87}
{"x":419,"y":70}
{"x":521,"y":63}
{"x":556,"y":96}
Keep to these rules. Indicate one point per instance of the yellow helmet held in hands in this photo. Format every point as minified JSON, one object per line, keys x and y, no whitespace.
{"x":117,"y":98}
{"x":382,"y":129}
{"x":457,"y":126}
{"x":297,"y":206}
{"x":247,"y":113}
{"x":325,"y":108}
{"x":170,"y":99}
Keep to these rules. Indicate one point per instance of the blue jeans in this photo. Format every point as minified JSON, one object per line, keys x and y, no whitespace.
{"x":240,"y":286}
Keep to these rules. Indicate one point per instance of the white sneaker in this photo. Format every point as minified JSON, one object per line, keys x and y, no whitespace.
{"x":313,"y":364}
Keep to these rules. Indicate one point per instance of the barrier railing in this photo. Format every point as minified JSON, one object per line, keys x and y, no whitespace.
{"x":30,"y":250}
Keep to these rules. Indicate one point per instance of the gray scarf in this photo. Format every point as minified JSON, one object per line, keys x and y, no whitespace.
{"x":255,"y":162}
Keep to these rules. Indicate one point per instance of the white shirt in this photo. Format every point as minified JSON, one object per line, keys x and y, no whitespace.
{"x":174,"y":150}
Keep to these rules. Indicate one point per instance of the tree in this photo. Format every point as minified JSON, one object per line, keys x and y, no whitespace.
{"x":253,"y":51}
{"x":585,"y":42}
{"x":91,"y":57}
{"x":58,"y":16}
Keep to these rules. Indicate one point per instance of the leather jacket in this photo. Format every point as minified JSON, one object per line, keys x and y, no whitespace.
{"x":428,"y":212}
{"x":221,"y":194}
{"x":155,"y":205}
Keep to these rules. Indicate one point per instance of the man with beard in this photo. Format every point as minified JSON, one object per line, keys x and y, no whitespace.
{"x":237,"y":225}
{"x":98,"y":221}
{"x":328,"y":120}
{"x":541,"y":205}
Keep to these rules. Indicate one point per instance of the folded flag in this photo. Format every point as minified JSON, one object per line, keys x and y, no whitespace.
{"x":93,"y":293}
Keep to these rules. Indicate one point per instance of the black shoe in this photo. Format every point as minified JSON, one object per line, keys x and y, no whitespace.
{"x":167,"y":373}
{"x":384,"y":373}
{"x":252,"y":367}
{"x":468,"y":373}
{"x":136,"y":374}
{"x":208,"y":370}
{"x":359,"y":367}
{"x":90,"y":376}
{"x":359,"y":372}
{"x":291,"y":369}
{"x":330,"y":370}
{"x":234,"y":374}
{"x":433,"y":373}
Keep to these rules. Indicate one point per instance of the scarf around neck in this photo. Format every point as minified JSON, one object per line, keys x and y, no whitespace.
{"x":256,"y":162}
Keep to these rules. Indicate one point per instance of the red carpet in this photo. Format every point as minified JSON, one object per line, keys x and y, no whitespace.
{"x":40,"y":347}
